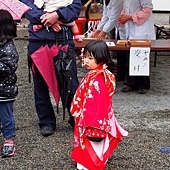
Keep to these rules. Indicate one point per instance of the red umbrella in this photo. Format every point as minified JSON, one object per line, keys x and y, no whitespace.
{"x":43,"y":59}
{"x":15,"y":7}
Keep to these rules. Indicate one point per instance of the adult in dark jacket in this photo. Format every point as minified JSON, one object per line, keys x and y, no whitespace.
{"x":46,"y":115}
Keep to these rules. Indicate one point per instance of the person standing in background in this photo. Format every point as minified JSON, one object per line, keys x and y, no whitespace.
{"x":8,"y":89}
{"x":44,"y":108}
{"x":111,"y":12}
{"x":137,"y":19}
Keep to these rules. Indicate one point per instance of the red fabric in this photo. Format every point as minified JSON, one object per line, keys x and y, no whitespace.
{"x":92,"y":108}
{"x":95,"y":133}
{"x":43,"y":59}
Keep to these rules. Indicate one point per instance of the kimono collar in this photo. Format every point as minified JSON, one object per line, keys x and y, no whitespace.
{"x":101,"y":67}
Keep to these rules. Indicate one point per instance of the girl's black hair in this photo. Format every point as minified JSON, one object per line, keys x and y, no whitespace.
{"x":99,"y":50}
{"x":8,"y":28}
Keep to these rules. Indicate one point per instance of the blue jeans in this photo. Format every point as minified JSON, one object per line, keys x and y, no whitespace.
{"x":7,"y":120}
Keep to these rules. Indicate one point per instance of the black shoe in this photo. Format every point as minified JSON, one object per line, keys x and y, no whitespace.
{"x":142,"y":91}
{"x":71,"y":122}
{"x":126,"y":89}
{"x":47,"y":131}
{"x":120,"y":78}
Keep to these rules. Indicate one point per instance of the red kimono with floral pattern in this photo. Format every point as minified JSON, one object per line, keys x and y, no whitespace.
{"x":94,"y":116}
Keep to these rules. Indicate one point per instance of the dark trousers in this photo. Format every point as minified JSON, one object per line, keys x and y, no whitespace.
{"x":121,"y":64}
{"x":44,"y":108}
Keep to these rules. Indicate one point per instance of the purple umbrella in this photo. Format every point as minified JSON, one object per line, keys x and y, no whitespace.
{"x":15,"y":7}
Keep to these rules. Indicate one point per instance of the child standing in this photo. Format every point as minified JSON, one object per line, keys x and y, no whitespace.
{"x":8,"y":88}
{"x":97,"y":132}
{"x":53,"y":5}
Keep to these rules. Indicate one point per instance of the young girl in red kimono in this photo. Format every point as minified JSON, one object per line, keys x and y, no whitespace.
{"x":97,"y":132}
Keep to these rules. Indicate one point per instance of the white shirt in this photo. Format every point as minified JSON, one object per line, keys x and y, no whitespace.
{"x":111,"y":13}
{"x":52,"y":5}
{"x":134,"y":31}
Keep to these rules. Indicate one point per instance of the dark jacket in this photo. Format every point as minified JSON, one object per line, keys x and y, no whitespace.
{"x":8,"y":65}
{"x":66,"y":15}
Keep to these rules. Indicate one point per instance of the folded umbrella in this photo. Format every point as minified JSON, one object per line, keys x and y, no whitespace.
{"x":44,"y":60}
{"x":63,"y":67}
{"x":15,"y":7}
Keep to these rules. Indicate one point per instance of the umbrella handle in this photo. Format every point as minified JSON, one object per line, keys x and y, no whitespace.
{"x":65,"y":34}
{"x":57,"y":108}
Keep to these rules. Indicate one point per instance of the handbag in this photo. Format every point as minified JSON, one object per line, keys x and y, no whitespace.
{"x":94,"y":134}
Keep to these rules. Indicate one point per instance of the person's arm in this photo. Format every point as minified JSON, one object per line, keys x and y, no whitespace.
{"x":8,"y":63}
{"x":34,"y":14}
{"x":104,"y":18}
{"x":65,"y":14}
{"x":109,"y":19}
{"x":140,"y":16}
{"x":116,"y":8}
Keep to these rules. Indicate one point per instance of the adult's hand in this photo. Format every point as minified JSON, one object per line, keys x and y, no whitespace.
{"x":50,"y":19}
{"x":95,"y":34}
{"x":56,"y":27}
{"x":101,"y":35}
{"x":123,"y":18}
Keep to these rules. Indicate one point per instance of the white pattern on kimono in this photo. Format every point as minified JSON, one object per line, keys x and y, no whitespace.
{"x":96,"y":86}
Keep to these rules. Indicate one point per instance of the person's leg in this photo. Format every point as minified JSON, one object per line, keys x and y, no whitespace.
{"x":44,"y":108}
{"x":8,"y":128}
{"x":43,"y":103}
{"x":130,"y":81}
{"x":122,"y":61}
{"x":121,"y":65}
{"x":7,"y":120}
{"x":143,"y":84}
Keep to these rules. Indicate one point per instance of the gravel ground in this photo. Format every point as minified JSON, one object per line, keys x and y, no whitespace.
{"x":146,"y":117}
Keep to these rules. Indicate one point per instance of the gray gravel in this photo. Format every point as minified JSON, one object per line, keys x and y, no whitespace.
{"x":146,"y":117}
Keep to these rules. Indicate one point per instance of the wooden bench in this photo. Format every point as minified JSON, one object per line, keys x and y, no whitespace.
{"x":160,"y":45}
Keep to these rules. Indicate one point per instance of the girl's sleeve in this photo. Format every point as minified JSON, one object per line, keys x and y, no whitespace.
{"x":8,"y":63}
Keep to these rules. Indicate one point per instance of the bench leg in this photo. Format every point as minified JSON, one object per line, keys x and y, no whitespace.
{"x":155,"y":59}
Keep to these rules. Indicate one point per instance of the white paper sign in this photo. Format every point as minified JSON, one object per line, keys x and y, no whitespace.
{"x":139,"y":61}
{"x":110,"y":43}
